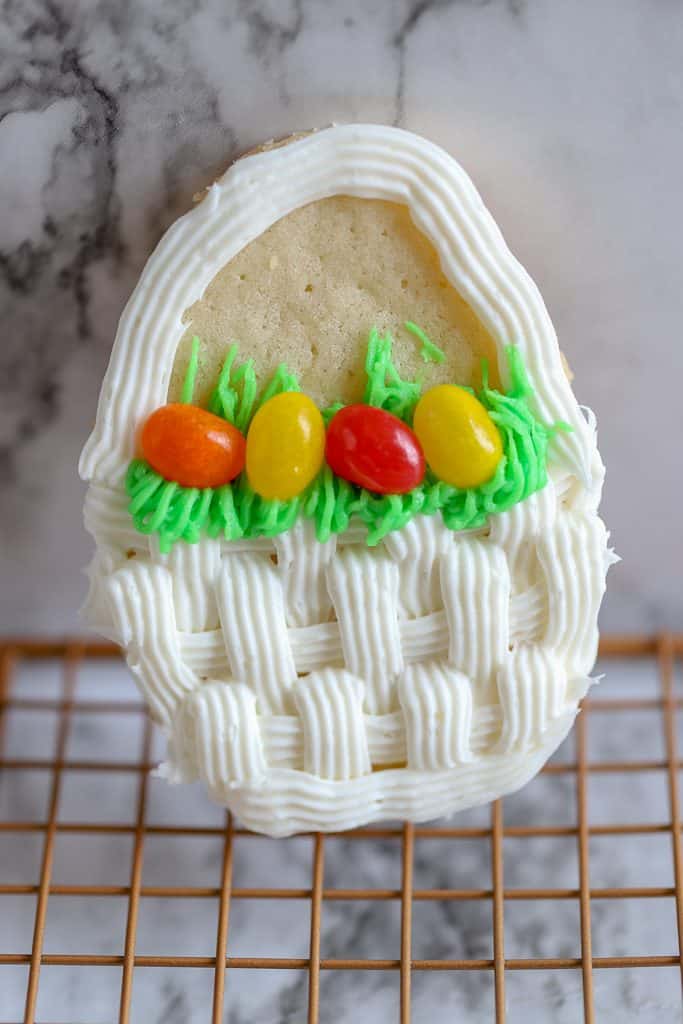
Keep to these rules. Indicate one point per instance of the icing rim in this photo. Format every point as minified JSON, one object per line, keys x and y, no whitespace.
{"x":368,"y":161}
{"x":288,"y":802}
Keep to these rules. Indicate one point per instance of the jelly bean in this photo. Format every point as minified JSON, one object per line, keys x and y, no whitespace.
{"x":192,"y":446}
{"x":374,"y":449}
{"x":285,"y":446}
{"x":461,"y":442}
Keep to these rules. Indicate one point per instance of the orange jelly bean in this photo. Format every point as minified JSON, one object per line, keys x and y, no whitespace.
{"x":192,"y":446}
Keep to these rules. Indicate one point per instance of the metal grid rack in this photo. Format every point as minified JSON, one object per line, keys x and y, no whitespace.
{"x":665,"y":649}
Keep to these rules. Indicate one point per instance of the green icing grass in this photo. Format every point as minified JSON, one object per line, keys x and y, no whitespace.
{"x":430,"y":352}
{"x":235,"y":511}
{"x":385,"y":388}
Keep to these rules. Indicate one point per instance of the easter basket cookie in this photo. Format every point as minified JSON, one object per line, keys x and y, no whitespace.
{"x":343,"y":497}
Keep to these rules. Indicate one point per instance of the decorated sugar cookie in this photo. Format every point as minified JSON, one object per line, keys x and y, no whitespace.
{"x":343,"y":498}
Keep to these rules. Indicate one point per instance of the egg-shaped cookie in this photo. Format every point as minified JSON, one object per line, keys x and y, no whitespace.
{"x":326,"y":647}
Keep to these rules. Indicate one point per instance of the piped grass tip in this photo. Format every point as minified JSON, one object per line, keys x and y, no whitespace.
{"x":234,"y":511}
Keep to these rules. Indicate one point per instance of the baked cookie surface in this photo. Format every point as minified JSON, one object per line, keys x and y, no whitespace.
{"x":386,"y":605}
{"x":309,"y":289}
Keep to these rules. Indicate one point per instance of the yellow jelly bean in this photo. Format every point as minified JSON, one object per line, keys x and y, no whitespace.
{"x":460,"y":441}
{"x":285,"y":446}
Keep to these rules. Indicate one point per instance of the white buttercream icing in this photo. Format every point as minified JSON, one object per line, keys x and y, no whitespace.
{"x":286,"y":670}
{"x":330,"y":706}
{"x":437,"y":705}
{"x":363,"y":585}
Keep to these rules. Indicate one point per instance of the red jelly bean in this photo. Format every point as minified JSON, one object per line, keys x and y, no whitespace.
{"x":374,"y":449}
{"x":192,"y":446}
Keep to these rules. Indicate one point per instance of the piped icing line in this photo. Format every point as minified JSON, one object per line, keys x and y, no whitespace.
{"x":517,"y":532}
{"x":417,"y":547}
{"x":251,"y":608}
{"x":369,"y":161}
{"x":330,"y":706}
{"x":195,"y":569}
{"x":475,"y":584}
{"x":437,"y":704}
{"x":575,"y":558}
{"x":221,"y":721}
{"x":296,"y":801}
{"x":364,"y":590}
{"x":302,"y":563}
{"x":140,"y":598}
{"x":532,"y":688}
{"x":323,"y":742}
{"x":315,"y":646}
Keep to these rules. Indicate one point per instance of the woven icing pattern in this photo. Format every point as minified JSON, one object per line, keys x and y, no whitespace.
{"x":434,"y":652}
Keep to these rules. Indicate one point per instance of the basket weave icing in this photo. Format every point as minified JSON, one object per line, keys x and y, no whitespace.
{"x":323,"y":685}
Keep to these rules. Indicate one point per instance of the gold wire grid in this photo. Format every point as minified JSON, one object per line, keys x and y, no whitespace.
{"x":666,"y":649}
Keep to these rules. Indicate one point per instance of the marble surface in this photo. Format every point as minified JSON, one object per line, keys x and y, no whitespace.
{"x":352,"y":928}
{"x":568,"y":118}
{"x":112,"y":115}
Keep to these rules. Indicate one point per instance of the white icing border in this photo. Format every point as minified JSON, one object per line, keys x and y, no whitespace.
{"x":365,"y":160}
{"x":286,"y":802}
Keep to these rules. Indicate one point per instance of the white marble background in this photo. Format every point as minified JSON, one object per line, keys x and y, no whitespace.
{"x":547,"y":927}
{"x":567,"y":115}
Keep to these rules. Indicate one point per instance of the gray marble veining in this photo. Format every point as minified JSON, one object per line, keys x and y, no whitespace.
{"x":568,"y":118}
{"x":441,"y":929}
{"x":114,"y":115}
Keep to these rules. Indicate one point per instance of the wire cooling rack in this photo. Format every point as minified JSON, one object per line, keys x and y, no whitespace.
{"x":27,"y":693}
